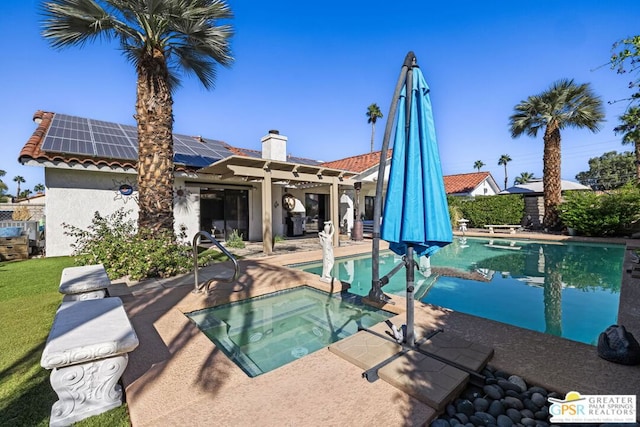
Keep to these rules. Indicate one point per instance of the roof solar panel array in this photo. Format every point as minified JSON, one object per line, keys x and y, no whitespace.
{"x":96,"y":138}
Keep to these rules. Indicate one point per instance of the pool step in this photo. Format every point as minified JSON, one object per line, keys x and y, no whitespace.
{"x":429,"y":380}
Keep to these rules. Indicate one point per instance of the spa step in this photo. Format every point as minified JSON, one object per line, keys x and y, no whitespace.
{"x":429,"y":380}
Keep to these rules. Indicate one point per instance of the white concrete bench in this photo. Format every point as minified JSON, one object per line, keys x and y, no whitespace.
{"x":512,"y":228}
{"x":83,"y":283}
{"x":87,"y":352}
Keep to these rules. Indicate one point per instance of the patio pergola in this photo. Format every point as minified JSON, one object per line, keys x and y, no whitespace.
{"x":268,"y":172}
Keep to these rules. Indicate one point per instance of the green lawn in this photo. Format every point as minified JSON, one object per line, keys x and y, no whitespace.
{"x":28,"y":301}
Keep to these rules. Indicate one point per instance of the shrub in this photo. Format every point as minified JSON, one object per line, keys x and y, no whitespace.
{"x":112,"y":241}
{"x":483,"y":210}
{"x":235,"y":240}
{"x":593,"y":214}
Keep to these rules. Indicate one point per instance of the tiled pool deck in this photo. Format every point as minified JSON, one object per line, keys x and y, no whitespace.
{"x":178,"y":377}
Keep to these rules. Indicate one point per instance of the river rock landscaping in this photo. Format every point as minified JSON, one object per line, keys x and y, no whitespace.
{"x":505,"y":401}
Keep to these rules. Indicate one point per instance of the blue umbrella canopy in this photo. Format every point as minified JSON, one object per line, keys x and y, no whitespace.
{"x":416,"y":212}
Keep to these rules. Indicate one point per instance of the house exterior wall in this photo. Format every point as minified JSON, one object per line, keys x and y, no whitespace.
{"x":73,"y":196}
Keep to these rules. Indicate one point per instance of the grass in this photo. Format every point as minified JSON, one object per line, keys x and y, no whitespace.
{"x":28,"y":301}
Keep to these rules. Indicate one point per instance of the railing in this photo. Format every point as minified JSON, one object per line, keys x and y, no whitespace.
{"x":196,"y":240}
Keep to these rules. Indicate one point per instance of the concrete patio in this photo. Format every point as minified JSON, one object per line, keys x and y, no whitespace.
{"x":178,"y":376}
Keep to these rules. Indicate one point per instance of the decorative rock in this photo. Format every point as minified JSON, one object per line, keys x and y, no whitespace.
{"x":519,"y":382}
{"x":491,"y":381}
{"x":514,"y":414}
{"x":481,"y":404}
{"x":466,"y":407}
{"x":439,"y":422}
{"x":463,"y":418}
{"x":538,"y":399}
{"x":501,"y":374}
{"x":454,"y":422}
{"x":529,"y":422}
{"x":496,"y":408}
{"x":542,"y":414}
{"x":540,"y":423}
{"x":451,"y":410}
{"x":526,"y":413}
{"x":508,"y":385}
{"x":493,"y":391}
{"x":476,"y":421}
{"x":528,"y":403}
{"x":540,"y":390}
{"x":512,"y":402}
{"x":486,"y":418}
{"x":513,"y":393}
{"x":504,"y":421}
{"x":469,"y":424}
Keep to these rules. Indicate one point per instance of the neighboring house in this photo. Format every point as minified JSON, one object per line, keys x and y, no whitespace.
{"x":533,"y":192}
{"x":90,"y":166}
{"x":471,"y":184}
{"x":366,"y":167}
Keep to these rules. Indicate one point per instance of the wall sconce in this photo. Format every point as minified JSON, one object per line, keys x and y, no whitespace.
{"x":276,"y":204}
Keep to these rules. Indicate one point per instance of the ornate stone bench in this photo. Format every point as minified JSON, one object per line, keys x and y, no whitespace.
{"x":85,"y":282}
{"x":87,"y":352}
{"x":493,"y":228}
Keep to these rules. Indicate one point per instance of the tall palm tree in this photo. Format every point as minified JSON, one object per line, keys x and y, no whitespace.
{"x":523,"y":178}
{"x":504,"y":159}
{"x":18,"y":180}
{"x":373,"y":114}
{"x":564,"y":104}
{"x":479,"y":164}
{"x":162,"y":39}
{"x":630,"y":130}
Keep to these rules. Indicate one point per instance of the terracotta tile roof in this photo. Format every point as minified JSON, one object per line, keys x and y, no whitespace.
{"x":358,"y":163}
{"x":464,"y":182}
{"x":32,"y":149}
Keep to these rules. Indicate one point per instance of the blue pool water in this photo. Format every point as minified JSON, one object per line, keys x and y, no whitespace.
{"x":263,"y":333}
{"x":569,"y":290}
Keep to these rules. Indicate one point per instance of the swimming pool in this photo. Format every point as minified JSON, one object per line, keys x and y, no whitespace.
{"x":569,"y":290}
{"x":263,"y":333}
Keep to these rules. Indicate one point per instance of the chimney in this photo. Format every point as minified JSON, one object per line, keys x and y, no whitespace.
{"x":274,"y":146}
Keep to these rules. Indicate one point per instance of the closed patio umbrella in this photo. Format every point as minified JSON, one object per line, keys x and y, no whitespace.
{"x":416,"y":216}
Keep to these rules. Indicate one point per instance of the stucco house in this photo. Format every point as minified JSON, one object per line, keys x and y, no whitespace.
{"x":90,"y":165}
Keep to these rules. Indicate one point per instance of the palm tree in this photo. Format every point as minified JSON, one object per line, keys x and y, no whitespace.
{"x":38,"y":188}
{"x":373,"y":113}
{"x":478,"y":165}
{"x":564,"y":104}
{"x":630,"y":129}
{"x":504,"y":159}
{"x":25,"y":194}
{"x":162,"y":39}
{"x":18,"y":179}
{"x":523,"y":178}
{"x":3,"y":186}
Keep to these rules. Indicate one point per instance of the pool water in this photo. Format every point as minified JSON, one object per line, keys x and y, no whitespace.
{"x":569,"y":290}
{"x":263,"y":333}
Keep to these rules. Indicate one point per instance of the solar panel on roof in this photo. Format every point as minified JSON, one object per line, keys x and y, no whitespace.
{"x":97,"y":138}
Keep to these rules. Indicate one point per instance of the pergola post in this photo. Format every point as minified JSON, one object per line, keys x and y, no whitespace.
{"x":335,"y":213}
{"x":267,"y":214}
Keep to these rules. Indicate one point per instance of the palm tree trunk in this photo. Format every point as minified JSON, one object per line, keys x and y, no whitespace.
{"x":506,"y":179}
{"x":373,"y":130}
{"x":154,"y":109}
{"x":551,"y":175}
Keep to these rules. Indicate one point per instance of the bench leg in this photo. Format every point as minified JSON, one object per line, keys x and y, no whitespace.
{"x":86,"y":389}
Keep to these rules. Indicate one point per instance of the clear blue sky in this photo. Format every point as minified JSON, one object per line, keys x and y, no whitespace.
{"x":311,"y":69}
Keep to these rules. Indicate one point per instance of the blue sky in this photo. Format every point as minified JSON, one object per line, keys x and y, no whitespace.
{"x":311,"y":69}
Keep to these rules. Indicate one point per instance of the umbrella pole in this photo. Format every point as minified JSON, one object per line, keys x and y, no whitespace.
{"x":376,"y":288}
{"x":410,"y":262}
